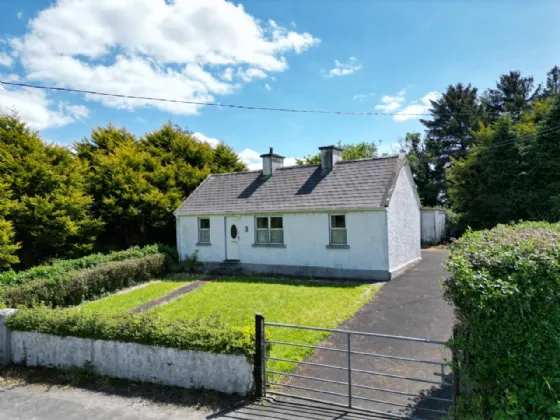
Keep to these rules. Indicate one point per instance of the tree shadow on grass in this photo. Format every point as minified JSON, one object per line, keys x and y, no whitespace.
{"x":14,"y":376}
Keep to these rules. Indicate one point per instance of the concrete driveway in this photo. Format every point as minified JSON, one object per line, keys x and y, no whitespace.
{"x":410,"y":305}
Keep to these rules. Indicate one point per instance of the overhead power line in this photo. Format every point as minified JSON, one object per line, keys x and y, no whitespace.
{"x":216,"y":104}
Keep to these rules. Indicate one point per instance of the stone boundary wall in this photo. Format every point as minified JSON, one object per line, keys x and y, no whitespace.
{"x":185,"y":368}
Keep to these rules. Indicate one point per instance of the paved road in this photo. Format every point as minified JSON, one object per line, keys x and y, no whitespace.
{"x":45,"y":403}
{"x":410,"y":305}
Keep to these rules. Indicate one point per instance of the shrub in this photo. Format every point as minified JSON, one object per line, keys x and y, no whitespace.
{"x":77,"y":286}
{"x":505,"y":286}
{"x":454,"y":224}
{"x":169,"y":250}
{"x":60,"y":267}
{"x":208,"y":335}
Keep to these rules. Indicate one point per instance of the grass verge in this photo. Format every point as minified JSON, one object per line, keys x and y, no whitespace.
{"x":235,"y":301}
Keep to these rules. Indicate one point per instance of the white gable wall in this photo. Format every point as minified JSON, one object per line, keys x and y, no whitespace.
{"x":403,"y":222}
{"x":306,"y":236}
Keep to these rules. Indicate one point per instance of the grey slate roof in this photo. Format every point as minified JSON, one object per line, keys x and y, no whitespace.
{"x":353,"y":184}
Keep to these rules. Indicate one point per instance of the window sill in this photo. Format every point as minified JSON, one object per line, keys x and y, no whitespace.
{"x":203,"y":244}
{"x":338,"y":246}
{"x":269,"y":246}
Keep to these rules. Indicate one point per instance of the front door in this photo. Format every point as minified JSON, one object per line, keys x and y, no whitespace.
{"x":233,"y":231}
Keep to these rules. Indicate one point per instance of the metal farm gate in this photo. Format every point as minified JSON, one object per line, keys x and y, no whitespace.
{"x":355,"y":379}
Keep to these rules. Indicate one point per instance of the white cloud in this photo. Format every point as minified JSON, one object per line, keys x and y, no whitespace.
{"x":361,"y":96}
{"x":267,"y":87}
{"x":227,"y":75}
{"x":290,"y":161}
{"x":185,"y":49}
{"x":392,"y":103}
{"x":253,"y":159}
{"x":10,"y":77}
{"x":211,"y":141}
{"x":343,"y":69}
{"x":19,"y":15}
{"x":416,"y":107}
{"x":140,"y":120}
{"x":6,"y":60}
{"x":37,"y":110}
{"x":250,"y":74}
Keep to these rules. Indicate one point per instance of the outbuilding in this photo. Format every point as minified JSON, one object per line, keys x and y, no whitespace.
{"x":357,"y":219}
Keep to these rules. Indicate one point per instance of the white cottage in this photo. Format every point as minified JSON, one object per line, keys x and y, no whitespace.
{"x":357,"y":219}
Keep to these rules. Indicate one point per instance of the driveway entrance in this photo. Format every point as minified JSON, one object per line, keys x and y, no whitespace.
{"x":410,"y":306}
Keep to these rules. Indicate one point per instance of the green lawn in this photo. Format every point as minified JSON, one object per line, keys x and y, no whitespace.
{"x":235,"y":301}
{"x":127,"y":301}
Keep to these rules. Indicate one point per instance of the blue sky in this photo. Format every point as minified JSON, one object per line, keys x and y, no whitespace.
{"x":352,"y":55}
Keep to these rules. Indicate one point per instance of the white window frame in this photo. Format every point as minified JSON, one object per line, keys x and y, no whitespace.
{"x":269,"y":229}
{"x":331,"y":229}
{"x":201,"y":229}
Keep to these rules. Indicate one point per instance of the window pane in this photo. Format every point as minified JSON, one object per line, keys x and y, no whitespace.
{"x":276,"y":223}
{"x":205,"y":236}
{"x":263,"y":237}
{"x":262,"y":222}
{"x":276,"y":236}
{"x":205,"y":223}
{"x":338,"y":221}
{"x":338,"y":236}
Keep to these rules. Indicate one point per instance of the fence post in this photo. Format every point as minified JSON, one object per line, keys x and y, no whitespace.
{"x":455,"y":366}
{"x":259,"y":359}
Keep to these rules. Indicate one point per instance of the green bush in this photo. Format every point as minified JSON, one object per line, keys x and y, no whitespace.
{"x":77,"y":286}
{"x":61,"y":267}
{"x":454,"y":224}
{"x":208,"y":335}
{"x":505,"y":286}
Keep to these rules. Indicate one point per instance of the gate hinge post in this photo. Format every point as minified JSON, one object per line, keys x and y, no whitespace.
{"x":258,"y":371}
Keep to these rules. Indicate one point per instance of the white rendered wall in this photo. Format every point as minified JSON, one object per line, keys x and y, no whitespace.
{"x":403,"y":220}
{"x":306,"y":236}
{"x":187,"y":369}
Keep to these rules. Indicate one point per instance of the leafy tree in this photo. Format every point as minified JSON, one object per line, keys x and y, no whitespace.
{"x":360,"y":150}
{"x":449,"y":134}
{"x":543,"y":192}
{"x":8,"y":248}
{"x":138,"y":183}
{"x":123,"y":181}
{"x":419,"y":160}
{"x":512,"y":173}
{"x":51,"y":212}
{"x":552,"y":87}
{"x":513,"y":95}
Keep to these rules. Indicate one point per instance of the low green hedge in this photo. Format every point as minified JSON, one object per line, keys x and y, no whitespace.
{"x":77,"y":286}
{"x":505,"y":286}
{"x":208,"y":335}
{"x":61,"y":267}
